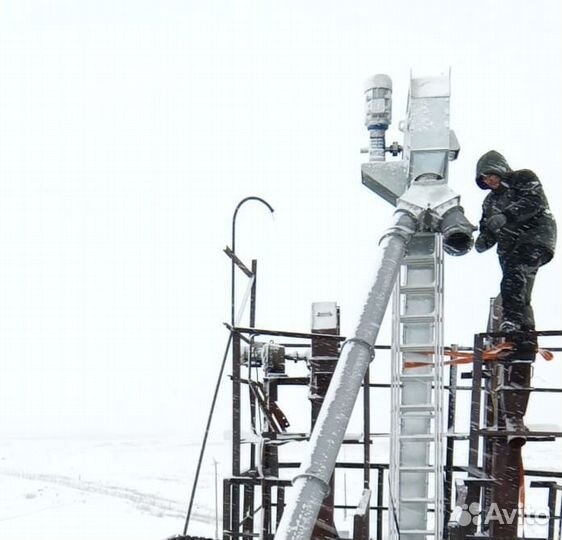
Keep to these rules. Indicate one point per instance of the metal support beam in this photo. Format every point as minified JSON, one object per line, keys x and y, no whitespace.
{"x":450,"y":449}
{"x":236,"y":431}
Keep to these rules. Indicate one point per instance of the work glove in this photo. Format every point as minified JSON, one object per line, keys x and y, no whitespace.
{"x":496,"y":222}
{"x":483,"y":243}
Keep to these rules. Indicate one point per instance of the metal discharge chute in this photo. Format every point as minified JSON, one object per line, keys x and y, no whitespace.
{"x":417,"y":186}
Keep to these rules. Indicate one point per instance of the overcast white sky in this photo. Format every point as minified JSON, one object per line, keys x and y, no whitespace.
{"x":129,"y":130}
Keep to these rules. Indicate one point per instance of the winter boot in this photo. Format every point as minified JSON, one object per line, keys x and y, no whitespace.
{"x":514,"y":400}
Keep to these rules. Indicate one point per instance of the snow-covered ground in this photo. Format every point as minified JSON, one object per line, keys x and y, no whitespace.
{"x":136,"y":488}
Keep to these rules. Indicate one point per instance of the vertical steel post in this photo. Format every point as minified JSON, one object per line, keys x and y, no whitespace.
{"x":489,"y":446}
{"x":270,"y":464}
{"x":380,"y":494}
{"x":248,"y":515}
{"x":491,"y":405}
{"x":236,"y":431}
{"x":474,"y":437}
{"x":505,"y":494}
{"x":366,"y":430}
{"x":473,"y":493}
{"x":280,"y":504}
{"x":367,"y":446}
{"x":266,"y":510}
{"x":448,"y":482}
{"x":253,"y":294}
{"x":253,"y":297}
{"x":552,"y":511}
{"x":226,"y":509}
{"x":253,"y":325}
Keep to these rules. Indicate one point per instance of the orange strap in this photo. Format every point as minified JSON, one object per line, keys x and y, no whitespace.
{"x":467,"y":357}
{"x":546,"y":354}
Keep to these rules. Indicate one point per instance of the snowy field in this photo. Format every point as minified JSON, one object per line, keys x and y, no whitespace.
{"x":95,"y":489}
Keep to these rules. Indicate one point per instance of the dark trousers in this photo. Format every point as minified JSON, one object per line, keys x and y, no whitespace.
{"x":519,"y":268}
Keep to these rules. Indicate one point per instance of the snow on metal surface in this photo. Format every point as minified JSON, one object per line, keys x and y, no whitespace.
{"x":421,"y":87}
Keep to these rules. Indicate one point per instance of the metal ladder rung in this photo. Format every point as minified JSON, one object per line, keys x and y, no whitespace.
{"x":420,"y":437}
{"x":419,"y":259}
{"x":418,"y":347}
{"x":418,"y":414}
{"x":418,"y":318}
{"x":430,"y":407}
{"x":417,"y":531}
{"x":429,"y":289}
{"x":417,"y":468}
{"x":418,"y":500}
{"x":414,"y":376}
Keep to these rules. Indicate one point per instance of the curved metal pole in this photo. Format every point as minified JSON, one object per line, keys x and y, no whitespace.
{"x":234,"y":215}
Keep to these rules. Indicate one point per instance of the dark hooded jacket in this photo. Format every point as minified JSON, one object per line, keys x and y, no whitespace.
{"x":521,"y":199}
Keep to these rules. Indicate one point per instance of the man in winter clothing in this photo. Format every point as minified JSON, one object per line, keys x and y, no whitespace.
{"x":516,"y":217}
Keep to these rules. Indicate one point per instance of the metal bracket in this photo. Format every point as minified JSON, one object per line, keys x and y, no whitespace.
{"x":365,"y":344}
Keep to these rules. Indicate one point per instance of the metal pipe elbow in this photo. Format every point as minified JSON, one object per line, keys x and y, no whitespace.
{"x":457,"y":232}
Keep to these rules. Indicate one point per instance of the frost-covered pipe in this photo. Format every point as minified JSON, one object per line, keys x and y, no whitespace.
{"x":311,"y":484}
{"x":457,"y":231}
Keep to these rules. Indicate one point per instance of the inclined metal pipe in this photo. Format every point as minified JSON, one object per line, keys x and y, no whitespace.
{"x":311,"y":484}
